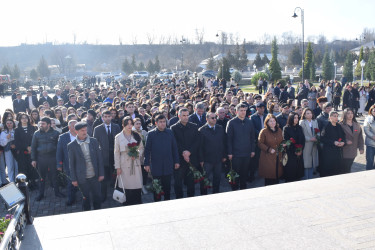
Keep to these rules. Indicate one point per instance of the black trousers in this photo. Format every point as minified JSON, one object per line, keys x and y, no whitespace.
{"x":241,"y":166}
{"x":269,"y":182}
{"x":166,"y":185}
{"x":181,"y":175}
{"x":90,"y":187}
{"x":144,"y":175}
{"x":254,"y":164}
{"x":133,"y":197}
{"x":213,"y":172}
{"x":347,"y":165}
{"x":106,"y":182}
{"x":46,"y":165}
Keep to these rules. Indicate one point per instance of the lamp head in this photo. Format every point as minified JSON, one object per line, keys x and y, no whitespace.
{"x":217,"y":34}
{"x":295,"y":15}
{"x":363,"y":63}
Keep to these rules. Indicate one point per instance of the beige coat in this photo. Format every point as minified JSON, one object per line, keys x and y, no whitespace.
{"x":310,"y":151}
{"x":350,"y":151}
{"x":123,"y":161}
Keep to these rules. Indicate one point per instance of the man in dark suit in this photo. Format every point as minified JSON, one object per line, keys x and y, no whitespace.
{"x":161,"y":150}
{"x":221,"y":119}
{"x":45,"y":98}
{"x":68,"y":119}
{"x":212,"y":150}
{"x":91,"y":100}
{"x":19,"y":105}
{"x":31,"y":101}
{"x":187,"y":138}
{"x":291,"y":91}
{"x":302,"y":93}
{"x":62,"y":158}
{"x":199,"y":117}
{"x":73,"y":102}
{"x":56,"y":97}
{"x":283,"y":96}
{"x":86,"y":166}
{"x":105,"y":134}
{"x":282,"y":118}
{"x":277,"y":90}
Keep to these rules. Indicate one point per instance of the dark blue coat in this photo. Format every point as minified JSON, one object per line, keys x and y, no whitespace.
{"x":62,"y":158}
{"x":194,"y":119}
{"x":161,"y":152}
{"x":257,"y":123}
{"x":77,"y":162}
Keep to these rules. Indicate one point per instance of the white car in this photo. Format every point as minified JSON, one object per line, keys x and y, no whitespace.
{"x":138,"y":74}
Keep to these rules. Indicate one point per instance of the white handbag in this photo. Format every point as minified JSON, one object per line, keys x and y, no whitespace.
{"x":118,"y":195}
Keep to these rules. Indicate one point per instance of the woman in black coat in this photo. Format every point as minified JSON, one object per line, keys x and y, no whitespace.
{"x":333,"y":139}
{"x":23,"y":136}
{"x":337,"y":92}
{"x":348,"y":98}
{"x":294,"y":169}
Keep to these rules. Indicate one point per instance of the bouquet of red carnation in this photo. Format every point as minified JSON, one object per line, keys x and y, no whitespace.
{"x":133,"y":152}
{"x":156,"y":188}
{"x":197,"y":175}
{"x":26,"y":152}
{"x":287,"y":144}
{"x":340,"y":140}
{"x":298,"y":147}
{"x":232,"y":175}
{"x":206,"y":182}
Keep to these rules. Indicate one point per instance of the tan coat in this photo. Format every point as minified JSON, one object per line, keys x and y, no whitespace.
{"x":123,"y":161}
{"x":350,"y":151}
{"x":267,"y":161}
{"x":310,"y":151}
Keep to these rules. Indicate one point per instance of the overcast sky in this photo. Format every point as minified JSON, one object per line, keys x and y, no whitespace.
{"x":103,"y":22}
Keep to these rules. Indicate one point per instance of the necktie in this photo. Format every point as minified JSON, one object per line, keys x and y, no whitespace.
{"x":108,"y":131}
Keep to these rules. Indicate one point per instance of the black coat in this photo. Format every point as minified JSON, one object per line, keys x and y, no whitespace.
{"x":302,"y":93}
{"x":212,"y":145}
{"x":75,"y":106}
{"x":34,"y":101}
{"x":223,"y":123}
{"x":276,"y":91}
{"x":294,"y":169}
{"x":19,"y":106}
{"x":291,"y":93}
{"x":331,"y":163}
{"x":23,"y":140}
{"x":240,"y":137}
{"x":283,"y":97}
{"x":100,"y":133}
{"x":281,"y":120}
{"x":42,"y":99}
{"x":371,"y":99}
{"x":187,"y":138}
{"x":348,"y":99}
{"x":257,"y":123}
{"x":194,"y":119}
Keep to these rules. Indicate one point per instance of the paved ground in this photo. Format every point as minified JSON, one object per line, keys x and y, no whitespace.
{"x":324,"y":213}
{"x":52,"y":205}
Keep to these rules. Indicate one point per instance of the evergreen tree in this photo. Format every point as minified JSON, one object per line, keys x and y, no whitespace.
{"x":224,"y":70}
{"x":230,"y":58}
{"x":275,"y":68}
{"x":133,"y":64}
{"x":157,"y":66}
{"x":308,"y":61}
{"x":126,"y":67}
{"x":6,"y":70}
{"x":327,"y":67}
{"x":43,"y":69}
{"x":265,"y":59}
{"x":318,"y":57}
{"x":348,"y":67}
{"x":258,"y":61}
{"x":237,"y":57}
{"x":295,"y":57}
{"x":16,"y":73}
{"x":358,"y":68}
{"x":150,"y":67}
{"x":244,"y":59}
{"x":141,"y":66}
{"x":211,"y":62}
{"x":34,"y":74}
{"x":370,"y":67}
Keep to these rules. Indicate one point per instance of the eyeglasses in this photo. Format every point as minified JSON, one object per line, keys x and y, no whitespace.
{"x":213,"y":118}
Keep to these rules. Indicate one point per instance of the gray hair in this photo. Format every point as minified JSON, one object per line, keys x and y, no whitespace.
{"x":199,"y":105}
{"x":219,"y":109}
{"x":71,"y":122}
{"x":333,"y":113}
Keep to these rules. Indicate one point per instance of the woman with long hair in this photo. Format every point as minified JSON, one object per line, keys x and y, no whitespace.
{"x":270,"y":167}
{"x":23,"y":136}
{"x":333,"y":139}
{"x":294,"y":169}
{"x":354,"y":139}
{"x":337,"y":93}
{"x":7,"y":141}
{"x":369,"y":128}
{"x":310,"y":129}
{"x":34,"y":117}
{"x":128,"y":168}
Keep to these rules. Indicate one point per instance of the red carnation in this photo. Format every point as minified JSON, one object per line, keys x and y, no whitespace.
{"x":60,"y":162}
{"x":292,"y":140}
{"x":355,"y":130}
{"x":316,"y":130}
{"x":340,"y":139}
{"x":25,"y":152}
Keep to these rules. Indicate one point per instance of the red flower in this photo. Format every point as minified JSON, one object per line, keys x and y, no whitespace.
{"x":298,"y":146}
{"x":231,"y":183}
{"x":292,"y":140}
{"x":60,"y":162}
{"x":41,"y":179}
{"x":355,"y":130}
{"x":25,"y":152}
{"x":316,"y":130}
{"x":162,"y":193}
{"x":340,"y":139}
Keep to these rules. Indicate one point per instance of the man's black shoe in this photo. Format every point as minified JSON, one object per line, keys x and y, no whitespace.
{"x":60,"y":195}
{"x":70,"y":203}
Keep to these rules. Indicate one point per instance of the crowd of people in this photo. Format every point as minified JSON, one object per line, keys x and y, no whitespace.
{"x":126,"y":136}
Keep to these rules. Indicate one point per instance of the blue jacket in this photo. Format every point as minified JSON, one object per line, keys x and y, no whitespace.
{"x":161,"y":151}
{"x":194,"y":119}
{"x":62,"y":158}
{"x":257,"y":123}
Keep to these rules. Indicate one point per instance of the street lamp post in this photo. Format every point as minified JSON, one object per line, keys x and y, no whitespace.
{"x":182,"y":41}
{"x":303,"y":37}
{"x":222,"y":40}
{"x":363,"y":63}
{"x":335,"y":64}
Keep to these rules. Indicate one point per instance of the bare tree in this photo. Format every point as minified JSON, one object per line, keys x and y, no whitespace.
{"x":120,"y":40}
{"x":368,"y":35}
{"x":162,"y":39}
{"x":322,"y":40}
{"x":265,"y":39}
{"x":74,"y":38}
{"x":199,"y":35}
{"x":134,"y":40}
{"x":150,"y":38}
{"x":169,"y":39}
